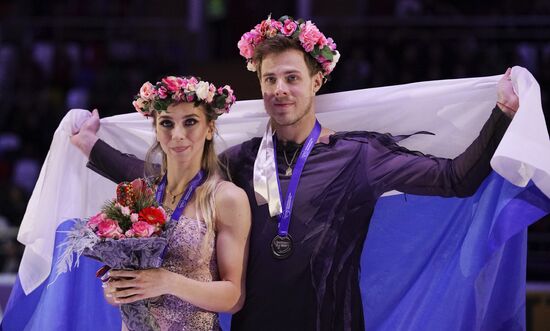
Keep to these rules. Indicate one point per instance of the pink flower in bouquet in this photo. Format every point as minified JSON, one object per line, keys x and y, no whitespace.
{"x":109,"y":228}
{"x":153,"y":215}
{"x":143,"y":229}
{"x":95,"y":220}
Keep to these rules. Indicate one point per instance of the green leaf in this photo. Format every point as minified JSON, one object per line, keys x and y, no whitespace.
{"x":326,"y":52}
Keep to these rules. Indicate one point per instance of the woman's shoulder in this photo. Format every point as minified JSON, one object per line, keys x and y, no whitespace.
{"x":231,"y":204}
{"x":227,"y":192}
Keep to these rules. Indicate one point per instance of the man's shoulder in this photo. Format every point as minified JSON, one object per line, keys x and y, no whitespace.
{"x":244,"y":150}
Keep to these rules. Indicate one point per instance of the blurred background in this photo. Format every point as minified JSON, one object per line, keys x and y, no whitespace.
{"x":57,"y":55}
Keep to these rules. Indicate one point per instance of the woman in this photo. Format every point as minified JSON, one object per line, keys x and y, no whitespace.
{"x":203,"y":271}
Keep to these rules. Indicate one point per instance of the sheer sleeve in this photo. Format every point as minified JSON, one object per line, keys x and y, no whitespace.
{"x":391,"y":167}
{"x":114,"y":165}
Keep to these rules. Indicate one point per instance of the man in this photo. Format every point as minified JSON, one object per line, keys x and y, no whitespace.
{"x":321,"y":190}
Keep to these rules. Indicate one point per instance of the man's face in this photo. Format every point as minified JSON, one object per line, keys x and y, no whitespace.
{"x":287,"y":88}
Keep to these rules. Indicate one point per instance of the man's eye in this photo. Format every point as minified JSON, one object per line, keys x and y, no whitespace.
{"x":292,"y":78}
{"x":166,"y":124}
{"x":270,"y":80}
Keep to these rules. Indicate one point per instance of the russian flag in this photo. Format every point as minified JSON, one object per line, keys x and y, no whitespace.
{"x":429,"y":263}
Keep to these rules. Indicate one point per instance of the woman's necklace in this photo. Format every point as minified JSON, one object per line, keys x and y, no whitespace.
{"x":174,"y":196}
{"x":288,"y":171}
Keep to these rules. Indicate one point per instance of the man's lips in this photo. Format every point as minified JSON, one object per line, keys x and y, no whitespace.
{"x":283,"y":104}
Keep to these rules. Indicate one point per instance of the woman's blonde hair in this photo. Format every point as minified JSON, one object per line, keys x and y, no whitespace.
{"x":206,"y":204}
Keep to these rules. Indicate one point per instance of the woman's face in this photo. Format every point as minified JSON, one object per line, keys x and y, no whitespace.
{"x":182,"y":131}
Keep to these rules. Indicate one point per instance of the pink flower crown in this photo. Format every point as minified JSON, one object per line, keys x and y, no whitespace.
{"x":314,"y":42}
{"x":172,"y":89}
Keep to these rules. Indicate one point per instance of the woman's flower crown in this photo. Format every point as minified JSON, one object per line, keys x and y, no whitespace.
{"x":314,"y":42}
{"x":172,"y":89}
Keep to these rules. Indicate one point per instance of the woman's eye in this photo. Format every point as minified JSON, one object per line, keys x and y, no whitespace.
{"x":190,"y":121}
{"x":166,"y":124}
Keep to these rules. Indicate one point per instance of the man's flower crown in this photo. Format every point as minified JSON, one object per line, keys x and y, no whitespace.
{"x":172,"y":89}
{"x":322,"y":49}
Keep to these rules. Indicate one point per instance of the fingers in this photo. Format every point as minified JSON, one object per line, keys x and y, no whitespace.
{"x":95,"y":113}
{"x":508,"y":72}
{"x":120,"y":292}
{"x":507,"y":75}
{"x":123,"y":273}
{"x":129,"y":299}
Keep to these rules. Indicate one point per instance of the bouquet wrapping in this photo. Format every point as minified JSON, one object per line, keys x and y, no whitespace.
{"x":129,"y":233}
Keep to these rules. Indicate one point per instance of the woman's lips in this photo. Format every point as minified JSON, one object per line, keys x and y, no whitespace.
{"x":179,"y":149}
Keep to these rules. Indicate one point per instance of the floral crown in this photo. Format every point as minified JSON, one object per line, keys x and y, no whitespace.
{"x":172,"y":89}
{"x":314,"y":42}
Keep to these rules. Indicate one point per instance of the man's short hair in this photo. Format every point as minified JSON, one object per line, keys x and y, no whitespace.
{"x":279,"y":44}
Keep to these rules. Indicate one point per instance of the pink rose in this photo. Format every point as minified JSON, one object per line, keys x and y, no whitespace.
{"x":109,"y":228}
{"x":140,"y":106}
{"x":309,"y":36}
{"x":331,"y":44}
{"x":322,"y":41}
{"x":245,"y":46}
{"x":143,"y":229}
{"x":327,"y":67}
{"x":184,"y":83}
{"x":129,"y":234}
{"x":95,"y":220}
{"x":147,"y":90}
{"x":163,"y":93}
{"x":269,"y":27}
{"x":255,"y":37}
{"x":211,"y":93}
{"x":178,"y":95}
{"x":289,"y":27}
{"x":172,"y":83}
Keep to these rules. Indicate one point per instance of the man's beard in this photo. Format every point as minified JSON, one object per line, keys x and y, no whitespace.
{"x":299,"y":117}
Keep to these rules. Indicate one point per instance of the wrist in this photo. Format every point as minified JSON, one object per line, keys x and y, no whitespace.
{"x":170,"y":282}
{"x":85,"y":142}
{"x":508,"y":104}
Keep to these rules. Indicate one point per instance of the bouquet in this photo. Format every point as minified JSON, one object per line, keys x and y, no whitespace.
{"x":129,"y":233}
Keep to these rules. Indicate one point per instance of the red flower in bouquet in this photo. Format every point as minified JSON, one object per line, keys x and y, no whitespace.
{"x":153,"y":216}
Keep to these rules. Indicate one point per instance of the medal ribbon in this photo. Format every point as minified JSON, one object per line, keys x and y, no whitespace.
{"x":284,"y":217}
{"x":191,"y":187}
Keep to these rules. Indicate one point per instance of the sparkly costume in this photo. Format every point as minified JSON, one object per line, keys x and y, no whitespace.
{"x":189,"y":256}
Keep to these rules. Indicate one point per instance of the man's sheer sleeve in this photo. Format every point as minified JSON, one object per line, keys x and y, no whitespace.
{"x":114,"y":165}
